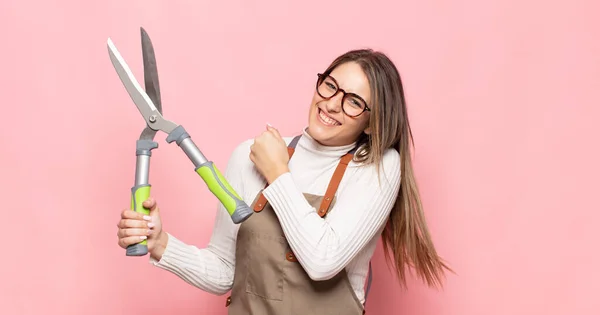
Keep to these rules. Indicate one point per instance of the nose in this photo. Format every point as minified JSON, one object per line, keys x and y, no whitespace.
{"x":334,"y":104}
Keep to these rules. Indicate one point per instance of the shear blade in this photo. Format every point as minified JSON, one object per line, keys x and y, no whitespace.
{"x":142,"y":101}
{"x":150,"y":70}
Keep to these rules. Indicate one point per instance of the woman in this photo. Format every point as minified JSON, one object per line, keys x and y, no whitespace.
{"x":321,"y":201}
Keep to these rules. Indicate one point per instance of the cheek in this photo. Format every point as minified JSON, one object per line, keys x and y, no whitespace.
{"x":365,"y":122}
{"x":314,"y":99}
{"x":357,"y":126}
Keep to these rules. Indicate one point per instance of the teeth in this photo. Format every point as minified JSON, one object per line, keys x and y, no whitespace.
{"x":327,"y":119}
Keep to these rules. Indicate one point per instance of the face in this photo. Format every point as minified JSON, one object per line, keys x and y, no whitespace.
{"x":327,"y":122}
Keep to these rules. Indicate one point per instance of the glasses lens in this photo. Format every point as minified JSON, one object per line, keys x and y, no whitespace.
{"x":327,"y":87}
{"x":353,"y":106}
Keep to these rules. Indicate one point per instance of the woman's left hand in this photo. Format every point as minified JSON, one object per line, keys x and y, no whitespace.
{"x":269,"y":154}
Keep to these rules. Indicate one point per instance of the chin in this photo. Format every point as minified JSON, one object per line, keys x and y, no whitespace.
{"x":325,"y":132}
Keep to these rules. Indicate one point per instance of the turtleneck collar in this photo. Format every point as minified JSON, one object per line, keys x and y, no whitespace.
{"x":309,"y":144}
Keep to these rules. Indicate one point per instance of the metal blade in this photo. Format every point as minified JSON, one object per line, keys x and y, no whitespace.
{"x":150,"y":70}
{"x":142,"y":101}
{"x":137,"y":94}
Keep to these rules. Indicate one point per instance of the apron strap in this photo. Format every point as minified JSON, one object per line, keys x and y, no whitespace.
{"x":293,"y":143}
{"x":262,"y":200}
{"x":334,"y":183}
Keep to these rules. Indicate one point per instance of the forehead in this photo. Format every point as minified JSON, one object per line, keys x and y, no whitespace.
{"x":351,"y":78}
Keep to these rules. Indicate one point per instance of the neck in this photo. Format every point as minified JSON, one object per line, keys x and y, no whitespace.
{"x":310,"y":144}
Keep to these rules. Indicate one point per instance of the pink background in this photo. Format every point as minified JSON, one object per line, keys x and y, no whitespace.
{"x":503,"y":96}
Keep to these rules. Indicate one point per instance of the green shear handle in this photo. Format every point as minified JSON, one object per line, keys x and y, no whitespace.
{"x":138,"y":195}
{"x":216,"y":182}
{"x":140,"y":192}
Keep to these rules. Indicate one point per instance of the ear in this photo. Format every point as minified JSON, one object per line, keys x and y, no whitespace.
{"x":368,"y":130}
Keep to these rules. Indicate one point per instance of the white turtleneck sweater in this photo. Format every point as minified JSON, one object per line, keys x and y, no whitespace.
{"x":345,"y":238}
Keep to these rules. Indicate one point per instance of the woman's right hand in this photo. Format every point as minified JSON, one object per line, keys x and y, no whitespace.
{"x":135,"y":227}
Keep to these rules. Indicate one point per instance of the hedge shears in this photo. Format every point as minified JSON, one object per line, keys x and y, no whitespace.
{"x":149,"y":104}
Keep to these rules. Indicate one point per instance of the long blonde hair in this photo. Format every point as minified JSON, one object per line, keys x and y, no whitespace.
{"x":406,"y":237}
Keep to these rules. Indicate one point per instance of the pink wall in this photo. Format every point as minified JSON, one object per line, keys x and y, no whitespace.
{"x":502,"y":98}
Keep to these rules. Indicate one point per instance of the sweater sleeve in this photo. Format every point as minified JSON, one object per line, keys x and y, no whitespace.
{"x":212,"y":268}
{"x":324,"y":246}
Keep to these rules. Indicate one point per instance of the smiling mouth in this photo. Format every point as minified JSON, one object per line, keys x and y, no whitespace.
{"x":326,"y":120}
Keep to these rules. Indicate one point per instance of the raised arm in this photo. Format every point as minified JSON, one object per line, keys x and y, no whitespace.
{"x":324,"y":246}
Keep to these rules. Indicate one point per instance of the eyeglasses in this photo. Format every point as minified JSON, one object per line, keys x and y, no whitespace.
{"x":352,"y":104}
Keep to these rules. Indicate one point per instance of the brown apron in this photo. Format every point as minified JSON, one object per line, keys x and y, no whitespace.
{"x":268,"y":278}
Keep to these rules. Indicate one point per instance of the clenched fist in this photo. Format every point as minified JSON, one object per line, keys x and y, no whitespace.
{"x":269,"y":154}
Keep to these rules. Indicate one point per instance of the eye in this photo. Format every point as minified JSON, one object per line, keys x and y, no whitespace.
{"x":356,"y":103}
{"x":330,"y":85}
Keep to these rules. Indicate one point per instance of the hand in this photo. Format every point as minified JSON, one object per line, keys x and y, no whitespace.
{"x":134,"y":227}
{"x":269,"y":154}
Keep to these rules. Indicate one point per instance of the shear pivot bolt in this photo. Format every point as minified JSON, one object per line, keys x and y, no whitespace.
{"x":152,"y":118}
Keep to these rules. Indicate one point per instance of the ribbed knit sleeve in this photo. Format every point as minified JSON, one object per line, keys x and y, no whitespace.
{"x":202,"y":268}
{"x":324,"y":246}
